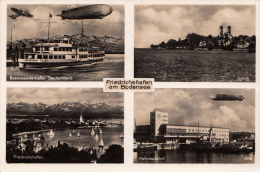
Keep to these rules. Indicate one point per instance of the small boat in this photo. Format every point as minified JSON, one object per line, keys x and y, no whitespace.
{"x":70,"y":135}
{"x":121,"y":136}
{"x":51,"y":133}
{"x":78,"y":135}
{"x":96,"y":137}
{"x":101,"y":143}
{"x":92,"y":132}
{"x":100,"y":131}
{"x":73,"y":132}
{"x":25,"y":135}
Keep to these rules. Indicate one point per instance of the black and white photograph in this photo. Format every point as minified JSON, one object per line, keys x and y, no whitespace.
{"x":195,"y":43}
{"x":195,"y":126}
{"x":64,"y":125}
{"x":65,"y":42}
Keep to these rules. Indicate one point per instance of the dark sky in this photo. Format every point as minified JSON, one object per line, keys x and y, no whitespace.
{"x":188,"y":106}
{"x":60,"y":95}
{"x":111,"y":25}
{"x":157,"y":23}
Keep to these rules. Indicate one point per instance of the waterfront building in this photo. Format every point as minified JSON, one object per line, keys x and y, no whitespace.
{"x":160,"y":130}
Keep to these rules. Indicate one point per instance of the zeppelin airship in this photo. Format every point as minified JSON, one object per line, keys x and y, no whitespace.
{"x":227,"y":97}
{"x":87,"y":12}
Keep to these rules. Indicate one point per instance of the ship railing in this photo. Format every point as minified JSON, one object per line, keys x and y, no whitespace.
{"x":49,"y":60}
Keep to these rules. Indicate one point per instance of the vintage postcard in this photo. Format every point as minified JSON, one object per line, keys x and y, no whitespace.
{"x":195,"y":126}
{"x":64,"y":125}
{"x":64,"y":42}
{"x":143,"y":85}
{"x":195,"y":43}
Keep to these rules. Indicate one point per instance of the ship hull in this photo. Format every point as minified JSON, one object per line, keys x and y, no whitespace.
{"x":32,"y":64}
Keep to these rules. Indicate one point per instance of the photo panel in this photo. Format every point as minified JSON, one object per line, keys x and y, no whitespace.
{"x":72,"y":42}
{"x":64,"y":125}
{"x":193,"y":125}
{"x":195,"y":43}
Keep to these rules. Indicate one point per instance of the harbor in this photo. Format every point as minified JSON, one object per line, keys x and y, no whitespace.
{"x":112,"y":66}
{"x":73,"y":52}
{"x":165,"y":136}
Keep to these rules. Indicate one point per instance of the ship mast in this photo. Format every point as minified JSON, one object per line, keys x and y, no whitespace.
{"x":12,"y":41}
{"x":49,"y":25}
{"x":82,"y":32}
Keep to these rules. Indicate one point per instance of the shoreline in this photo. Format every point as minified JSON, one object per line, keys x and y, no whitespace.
{"x":44,"y":130}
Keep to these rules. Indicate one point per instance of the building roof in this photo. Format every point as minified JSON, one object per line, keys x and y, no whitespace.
{"x":195,"y":126}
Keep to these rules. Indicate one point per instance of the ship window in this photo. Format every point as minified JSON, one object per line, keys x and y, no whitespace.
{"x":55,"y":56}
{"x":37,"y":49}
{"x":46,"y":48}
{"x":45,"y":57}
{"x":55,"y":49}
{"x":39,"y":56}
{"x":50,"y":56}
{"x":73,"y":57}
{"x":63,"y":56}
{"x":66,"y":41}
{"x":59,"y":56}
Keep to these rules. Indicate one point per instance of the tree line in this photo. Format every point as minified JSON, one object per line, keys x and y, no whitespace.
{"x":193,"y":40}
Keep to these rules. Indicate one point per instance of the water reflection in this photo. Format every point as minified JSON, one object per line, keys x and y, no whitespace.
{"x":188,"y":156}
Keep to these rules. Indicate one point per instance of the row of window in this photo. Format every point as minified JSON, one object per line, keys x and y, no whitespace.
{"x":62,"y":56}
{"x":193,"y":134}
{"x":42,"y":48}
{"x":195,"y":130}
{"x":93,"y":55}
{"x":63,"y":49}
{"x":59,"y":41}
{"x":51,"y":56}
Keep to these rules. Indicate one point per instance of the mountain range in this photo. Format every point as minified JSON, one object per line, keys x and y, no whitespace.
{"x":109,"y":43}
{"x":60,"y":109}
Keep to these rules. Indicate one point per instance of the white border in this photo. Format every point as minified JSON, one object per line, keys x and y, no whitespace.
{"x":129,"y":96}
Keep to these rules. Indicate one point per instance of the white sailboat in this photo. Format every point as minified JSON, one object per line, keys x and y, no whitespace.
{"x":70,"y":135}
{"x":92,"y":132}
{"x":101,"y":143}
{"x":73,"y":132}
{"x":51,"y":133}
{"x":25,"y":135}
{"x":96,"y":137}
{"x":100,"y":131}
{"x":78,"y":135}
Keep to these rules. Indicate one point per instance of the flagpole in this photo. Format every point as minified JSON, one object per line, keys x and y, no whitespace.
{"x":49,"y":27}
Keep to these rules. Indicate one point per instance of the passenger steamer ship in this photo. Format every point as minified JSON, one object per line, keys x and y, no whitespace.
{"x":62,"y":51}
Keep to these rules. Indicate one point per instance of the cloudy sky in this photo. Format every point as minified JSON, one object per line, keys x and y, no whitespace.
{"x":60,"y":95}
{"x":111,"y":25}
{"x":157,"y":23}
{"x":188,"y":106}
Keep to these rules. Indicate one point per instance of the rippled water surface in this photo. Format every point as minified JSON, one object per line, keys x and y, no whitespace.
{"x":194,"y":66}
{"x":111,"y":67}
{"x":110,"y":135}
{"x":188,"y":156}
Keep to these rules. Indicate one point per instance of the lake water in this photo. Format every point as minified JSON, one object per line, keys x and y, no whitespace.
{"x":111,"y":67}
{"x":194,"y":66}
{"x":110,"y":135}
{"x":189,"y":156}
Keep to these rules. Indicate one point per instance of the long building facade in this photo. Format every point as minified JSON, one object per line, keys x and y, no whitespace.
{"x":160,"y":130}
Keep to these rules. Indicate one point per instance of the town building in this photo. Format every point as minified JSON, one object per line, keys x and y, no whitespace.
{"x":225,"y":39}
{"x":160,"y":131}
